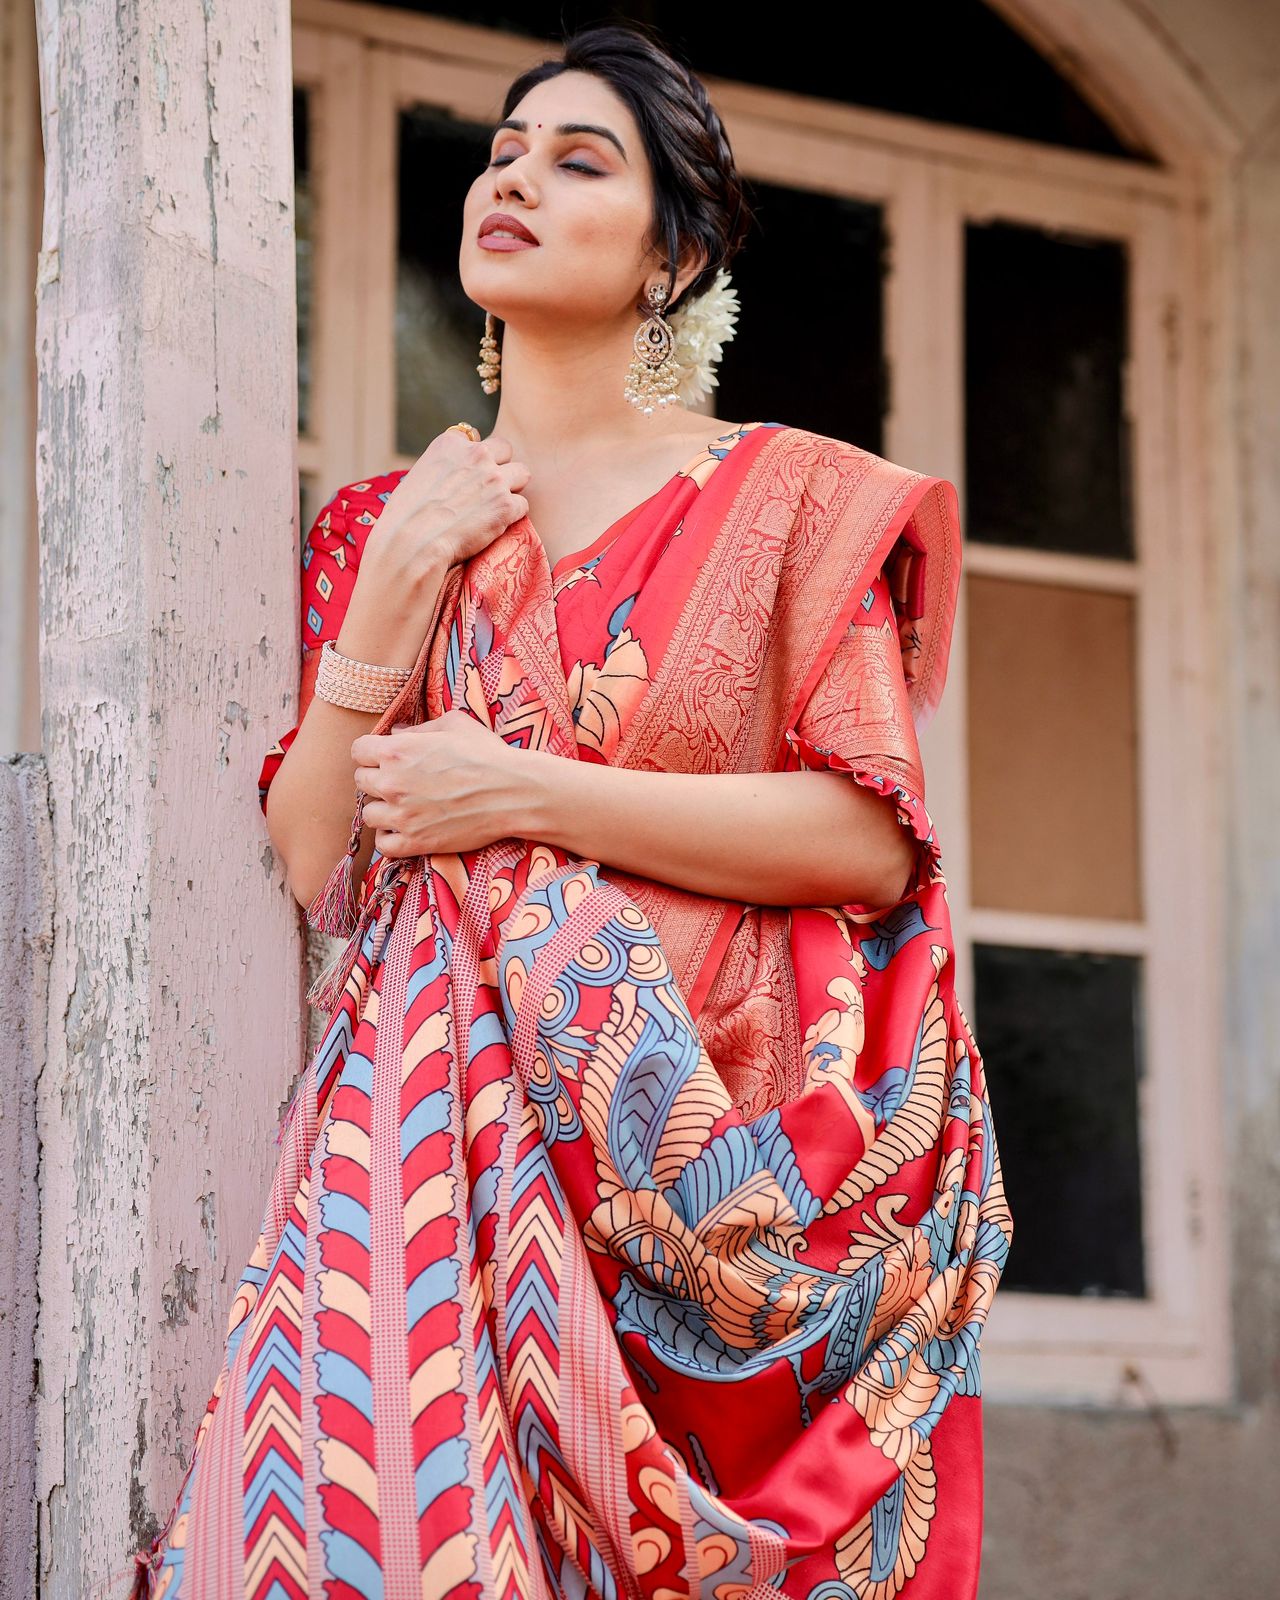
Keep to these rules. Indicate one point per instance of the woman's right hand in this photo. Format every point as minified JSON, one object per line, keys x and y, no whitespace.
{"x":459,"y":495}
{"x":456,"y":498}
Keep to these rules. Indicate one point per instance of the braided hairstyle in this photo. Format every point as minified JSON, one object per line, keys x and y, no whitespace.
{"x":698,"y":194}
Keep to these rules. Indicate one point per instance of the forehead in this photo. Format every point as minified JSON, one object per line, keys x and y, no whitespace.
{"x":578,"y":97}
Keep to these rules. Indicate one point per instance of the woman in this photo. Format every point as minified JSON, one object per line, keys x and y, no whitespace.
{"x":638,"y":1215}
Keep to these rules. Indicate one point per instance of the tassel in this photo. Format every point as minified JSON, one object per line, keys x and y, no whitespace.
{"x":143,"y":1581}
{"x":142,"y":1585}
{"x":335,"y":909}
{"x":329,"y":987}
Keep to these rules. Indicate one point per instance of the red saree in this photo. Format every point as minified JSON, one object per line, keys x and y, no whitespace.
{"x":625,"y":1241}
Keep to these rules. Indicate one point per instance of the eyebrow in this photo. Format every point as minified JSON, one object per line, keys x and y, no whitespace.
{"x":569,"y":127}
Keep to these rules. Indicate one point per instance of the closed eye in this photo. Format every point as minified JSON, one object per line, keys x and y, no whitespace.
{"x":576,"y":166}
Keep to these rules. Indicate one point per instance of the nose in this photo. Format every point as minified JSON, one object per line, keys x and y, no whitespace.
{"x":511,"y":180}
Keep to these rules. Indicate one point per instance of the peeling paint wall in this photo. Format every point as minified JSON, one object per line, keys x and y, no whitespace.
{"x":21,"y":175}
{"x":167,"y":497}
{"x":26,"y":939}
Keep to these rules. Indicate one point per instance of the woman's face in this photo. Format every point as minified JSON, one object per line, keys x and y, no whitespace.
{"x":585,"y":196}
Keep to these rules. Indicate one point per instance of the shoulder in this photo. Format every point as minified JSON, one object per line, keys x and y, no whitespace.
{"x":342,"y":524}
{"x":822,"y":453}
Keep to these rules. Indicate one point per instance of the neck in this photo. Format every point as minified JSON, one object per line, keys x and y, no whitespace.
{"x":561,"y":398}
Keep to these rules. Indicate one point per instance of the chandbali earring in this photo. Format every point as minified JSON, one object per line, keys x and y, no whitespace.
{"x":490,"y":358}
{"x":651,"y":377}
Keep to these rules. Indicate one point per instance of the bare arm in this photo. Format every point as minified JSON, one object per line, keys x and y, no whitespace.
{"x":313,"y":795}
{"x":455,"y":499}
{"x":773,"y":838}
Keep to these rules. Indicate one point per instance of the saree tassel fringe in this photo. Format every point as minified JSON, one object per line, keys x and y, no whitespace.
{"x":143,"y":1577}
{"x":328,"y":988}
{"x":336,"y":908}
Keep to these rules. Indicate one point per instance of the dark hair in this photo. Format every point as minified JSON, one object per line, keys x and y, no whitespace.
{"x":698,"y":196}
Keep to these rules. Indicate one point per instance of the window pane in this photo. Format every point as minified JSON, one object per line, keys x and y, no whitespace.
{"x":304,"y":218}
{"x":811,"y":356}
{"x":1052,"y":743}
{"x":1060,"y":1035}
{"x":438,"y":329}
{"x":1046,"y":437}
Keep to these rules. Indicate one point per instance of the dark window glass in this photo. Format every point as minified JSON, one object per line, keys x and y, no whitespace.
{"x":809,"y":354}
{"x":1046,"y":437}
{"x":304,"y":218}
{"x":438,"y":329}
{"x":1060,"y":1039}
{"x":977,"y":72}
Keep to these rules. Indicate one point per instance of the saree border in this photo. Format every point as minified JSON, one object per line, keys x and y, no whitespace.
{"x":807,"y":520}
{"x":941,"y":547}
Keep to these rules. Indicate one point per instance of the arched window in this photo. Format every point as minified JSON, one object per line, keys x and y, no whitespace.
{"x":1000,"y":295}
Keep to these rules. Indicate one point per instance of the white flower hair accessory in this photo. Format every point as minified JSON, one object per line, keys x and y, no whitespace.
{"x":701,"y":330}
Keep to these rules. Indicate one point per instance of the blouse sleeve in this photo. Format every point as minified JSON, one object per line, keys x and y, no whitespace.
{"x":330,"y":562}
{"x":857,"y":720}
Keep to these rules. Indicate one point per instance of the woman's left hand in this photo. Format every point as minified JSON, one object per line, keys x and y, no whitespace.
{"x":445,"y":785}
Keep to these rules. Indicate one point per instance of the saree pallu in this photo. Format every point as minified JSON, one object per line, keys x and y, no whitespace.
{"x":626,"y":1241}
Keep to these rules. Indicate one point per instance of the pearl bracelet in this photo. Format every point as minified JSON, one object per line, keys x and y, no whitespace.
{"x":358,"y":685}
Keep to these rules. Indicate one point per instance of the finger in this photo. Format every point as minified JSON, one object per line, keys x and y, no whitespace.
{"x":499,"y":447}
{"x":378,"y":814}
{"x":368,"y":749}
{"x":369,"y":779}
{"x":389,"y":843}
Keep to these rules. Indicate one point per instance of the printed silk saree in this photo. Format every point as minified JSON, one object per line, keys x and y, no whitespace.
{"x":627,"y":1242}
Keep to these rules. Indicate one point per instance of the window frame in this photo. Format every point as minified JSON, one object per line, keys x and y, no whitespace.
{"x":931,"y":180}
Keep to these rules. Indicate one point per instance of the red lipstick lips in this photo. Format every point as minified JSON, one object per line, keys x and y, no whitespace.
{"x":501,"y":231}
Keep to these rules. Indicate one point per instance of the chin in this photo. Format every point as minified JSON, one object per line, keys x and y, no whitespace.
{"x":505,"y":286}
{"x":510,"y":306}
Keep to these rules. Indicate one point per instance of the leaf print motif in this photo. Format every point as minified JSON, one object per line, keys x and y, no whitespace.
{"x":603,"y":697}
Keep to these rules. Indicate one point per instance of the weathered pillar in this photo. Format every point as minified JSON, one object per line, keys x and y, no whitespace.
{"x":26,"y":936}
{"x":167,"y":495}
{"x":1252,"y":684}
{"x":20,"y":184}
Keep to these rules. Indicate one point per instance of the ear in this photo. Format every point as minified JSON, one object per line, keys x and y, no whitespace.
{"x":692,"y":260}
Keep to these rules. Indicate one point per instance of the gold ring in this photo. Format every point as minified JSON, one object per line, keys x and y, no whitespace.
{"x":463,"y":427}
